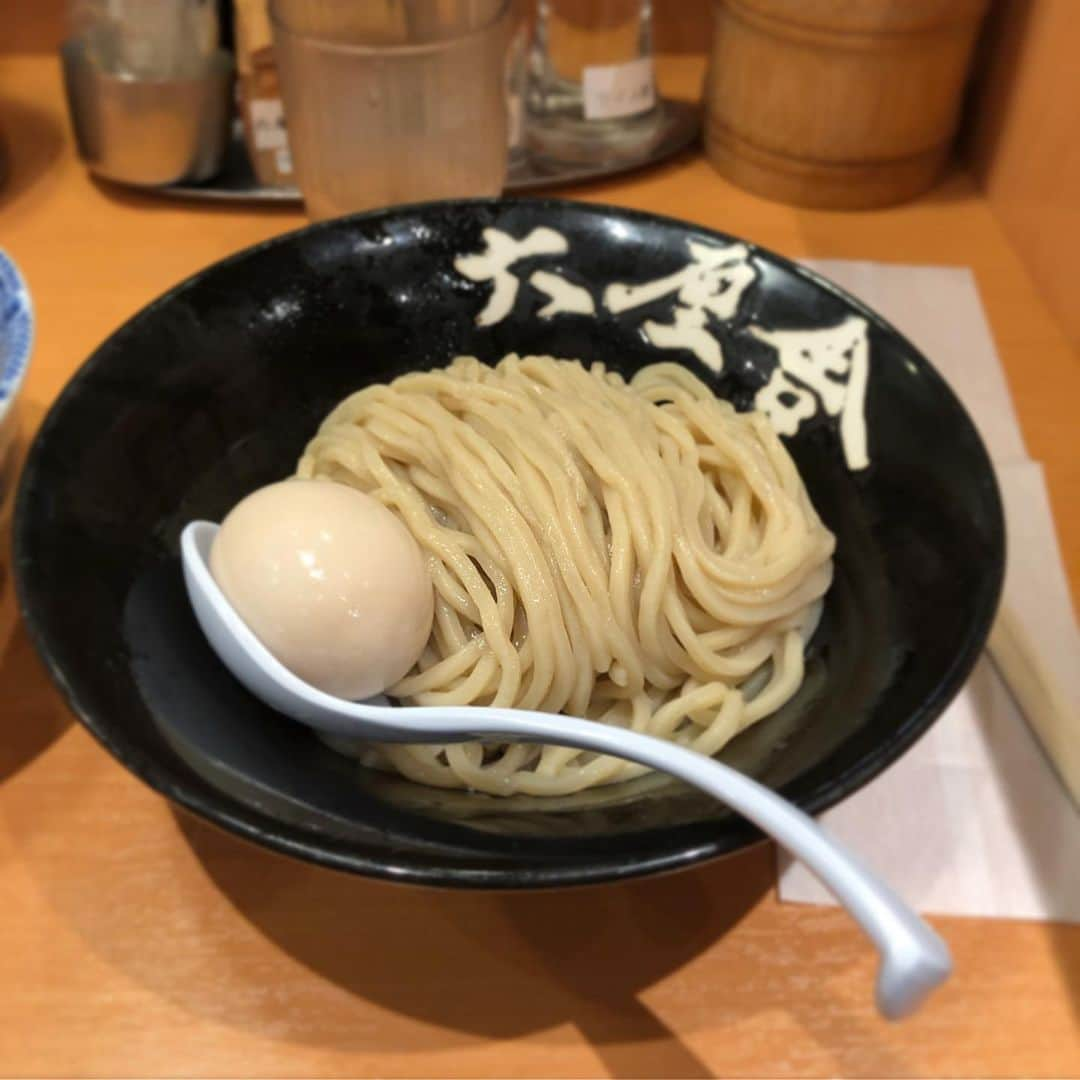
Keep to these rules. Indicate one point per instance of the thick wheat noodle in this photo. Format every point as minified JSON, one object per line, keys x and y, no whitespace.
{"x":638,"y":553}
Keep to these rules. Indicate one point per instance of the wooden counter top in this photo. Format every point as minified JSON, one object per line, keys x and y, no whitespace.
{"x":136,"y":942}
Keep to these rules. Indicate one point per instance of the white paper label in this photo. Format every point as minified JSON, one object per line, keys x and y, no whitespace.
{"x":268,"y":124}
{"x":283,"y":160}
{"x":615,"y":90}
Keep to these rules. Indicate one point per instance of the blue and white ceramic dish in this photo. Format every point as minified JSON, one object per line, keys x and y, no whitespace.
{"x":16,"y":343}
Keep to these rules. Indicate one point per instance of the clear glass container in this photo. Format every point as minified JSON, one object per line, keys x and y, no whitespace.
{"x":516,"y":83}
{"x":393,"y":103}
{"x":591,"y":94}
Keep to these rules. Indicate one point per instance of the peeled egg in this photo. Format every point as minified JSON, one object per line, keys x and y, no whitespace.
{"x":330,"y":581}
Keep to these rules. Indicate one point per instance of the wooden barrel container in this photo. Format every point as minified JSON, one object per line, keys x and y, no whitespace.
{"x":837,"y":103}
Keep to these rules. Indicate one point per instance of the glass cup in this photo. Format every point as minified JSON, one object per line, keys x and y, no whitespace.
{"x":591,"y":95}
{"x":394,"y":101}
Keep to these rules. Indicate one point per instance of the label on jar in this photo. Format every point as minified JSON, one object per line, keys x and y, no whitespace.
{"x":615,"y":90}
{"x":268,"y":124}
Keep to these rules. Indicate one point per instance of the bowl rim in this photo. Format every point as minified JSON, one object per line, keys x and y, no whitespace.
{"x":17,"y":330}
{"x":259,"y":827}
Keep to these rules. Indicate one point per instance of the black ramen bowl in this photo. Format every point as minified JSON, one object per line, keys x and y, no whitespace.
{"x":215,"y":388}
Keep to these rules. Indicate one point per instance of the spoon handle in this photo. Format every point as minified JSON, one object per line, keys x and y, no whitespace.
{"x":914,"y":959}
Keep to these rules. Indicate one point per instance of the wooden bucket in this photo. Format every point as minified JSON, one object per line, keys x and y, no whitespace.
{"x":837,"y":103}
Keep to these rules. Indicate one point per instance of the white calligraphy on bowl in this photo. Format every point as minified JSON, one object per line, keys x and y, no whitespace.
{"x":565,"y":298}
{"x":713,"y":282}
{"x":494,"y":262}
{"x":826,"y":367}
{"x":817,"y":370}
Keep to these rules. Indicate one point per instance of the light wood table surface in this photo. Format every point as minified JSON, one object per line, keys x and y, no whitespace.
{"x":137,"y":942}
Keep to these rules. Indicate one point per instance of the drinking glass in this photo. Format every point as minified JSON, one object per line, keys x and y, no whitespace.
{"x":394,"y":101}
{"x":591,"y":93}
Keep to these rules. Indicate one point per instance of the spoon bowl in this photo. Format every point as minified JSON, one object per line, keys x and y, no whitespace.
{"x":914,"y":959}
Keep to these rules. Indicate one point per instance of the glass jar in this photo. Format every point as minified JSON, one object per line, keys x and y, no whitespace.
{"x":591,"y":95}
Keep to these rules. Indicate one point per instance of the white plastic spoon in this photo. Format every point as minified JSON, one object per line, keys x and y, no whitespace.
{"x":914,"y":959}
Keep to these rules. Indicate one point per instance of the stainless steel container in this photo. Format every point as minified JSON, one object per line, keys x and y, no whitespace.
{"x":149,"y":132}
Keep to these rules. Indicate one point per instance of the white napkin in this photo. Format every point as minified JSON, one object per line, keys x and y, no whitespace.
{"x":972,"y":820}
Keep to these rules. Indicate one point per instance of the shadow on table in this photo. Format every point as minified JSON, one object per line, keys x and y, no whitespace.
{"x":28,"y":701}
{"x":30,"y":142}
{"x":497,"y":965}
{"x":34,"y":714}
{"x":503,"y":965}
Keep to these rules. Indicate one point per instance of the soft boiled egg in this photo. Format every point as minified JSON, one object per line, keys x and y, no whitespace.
{"x":330,"y":581}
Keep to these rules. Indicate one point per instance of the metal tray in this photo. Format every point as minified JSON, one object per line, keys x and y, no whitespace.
{"x":237,"y":182}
